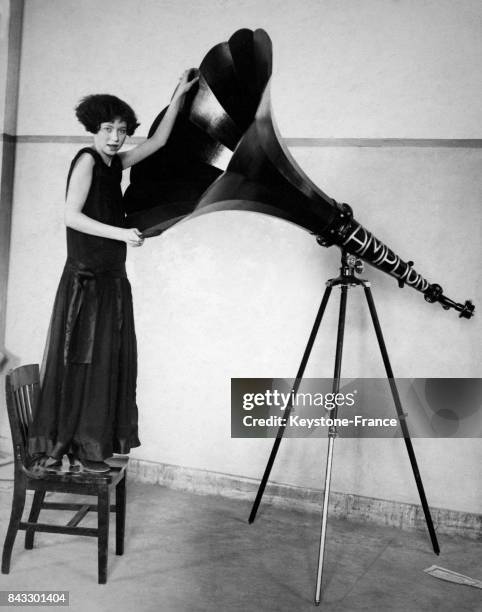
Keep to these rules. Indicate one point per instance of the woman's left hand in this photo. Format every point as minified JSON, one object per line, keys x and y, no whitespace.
{"x":185,"y":83}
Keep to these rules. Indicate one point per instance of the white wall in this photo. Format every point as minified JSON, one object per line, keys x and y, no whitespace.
{"x":233,"y":294}
{"x":344,"y":68}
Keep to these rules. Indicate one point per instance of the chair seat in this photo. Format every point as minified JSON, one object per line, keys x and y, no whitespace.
{"x":81,"y":477}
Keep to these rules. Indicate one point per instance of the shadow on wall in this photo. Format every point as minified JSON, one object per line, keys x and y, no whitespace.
{"x":3,"y":359}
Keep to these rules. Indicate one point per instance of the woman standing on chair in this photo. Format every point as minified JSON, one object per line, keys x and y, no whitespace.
{"x":87,"y":404}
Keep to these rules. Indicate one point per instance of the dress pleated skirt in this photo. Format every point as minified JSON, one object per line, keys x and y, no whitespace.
{"x":87,"y":402}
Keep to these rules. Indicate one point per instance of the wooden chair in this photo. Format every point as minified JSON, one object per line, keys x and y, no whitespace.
{"x":22,"y":388}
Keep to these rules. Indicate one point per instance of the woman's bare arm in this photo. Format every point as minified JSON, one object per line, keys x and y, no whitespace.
{"x":164,"y":129}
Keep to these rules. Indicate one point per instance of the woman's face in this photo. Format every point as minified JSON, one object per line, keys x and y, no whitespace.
{"x":110,"y":137}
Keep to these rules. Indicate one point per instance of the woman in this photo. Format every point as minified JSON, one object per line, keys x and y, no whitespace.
{"x":87,"y":405}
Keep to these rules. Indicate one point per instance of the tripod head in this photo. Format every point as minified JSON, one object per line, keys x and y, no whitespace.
{"x":350,"y":264}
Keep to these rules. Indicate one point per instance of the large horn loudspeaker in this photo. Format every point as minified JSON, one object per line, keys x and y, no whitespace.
{"x":229,"y":111}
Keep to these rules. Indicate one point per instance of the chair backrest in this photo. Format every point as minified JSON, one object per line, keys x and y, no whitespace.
{"x":22,"y":390}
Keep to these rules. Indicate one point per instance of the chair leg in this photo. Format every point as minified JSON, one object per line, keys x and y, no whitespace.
{"x":18,"y":505}
{"x":38,"y":499}
{"x":120,"y":515}
{"x":103,"y":510}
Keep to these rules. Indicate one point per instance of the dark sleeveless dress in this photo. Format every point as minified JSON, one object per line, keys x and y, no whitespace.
{"x":87,"y":402}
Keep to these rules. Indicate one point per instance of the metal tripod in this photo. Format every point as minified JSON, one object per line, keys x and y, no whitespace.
{"x":347,"y":278}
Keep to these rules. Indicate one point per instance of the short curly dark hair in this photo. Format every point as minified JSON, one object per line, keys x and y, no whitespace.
{"x":97,"y":108}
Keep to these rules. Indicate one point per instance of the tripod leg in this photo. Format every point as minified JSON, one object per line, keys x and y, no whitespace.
{"x":331,"y":441}
{"x":403,"y":424}
{"x":296,"y":385}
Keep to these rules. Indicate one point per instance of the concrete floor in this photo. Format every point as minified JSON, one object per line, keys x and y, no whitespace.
{"x":198,"y":553}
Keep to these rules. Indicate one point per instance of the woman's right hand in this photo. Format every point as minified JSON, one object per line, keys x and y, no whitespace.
{"x":133,"y":237}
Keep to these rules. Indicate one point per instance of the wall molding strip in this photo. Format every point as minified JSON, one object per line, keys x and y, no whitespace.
{"x":459,"y":143}
{"x":465,"y":143}
{"x":408,"y":517}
